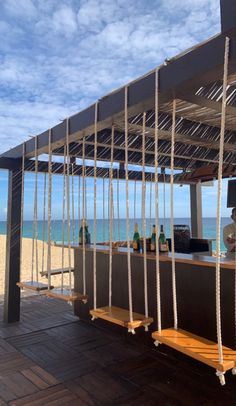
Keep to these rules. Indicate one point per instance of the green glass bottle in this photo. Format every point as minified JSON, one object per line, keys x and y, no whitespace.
{"x":153,"y":239}
{"x":84,"y":234}
{"x":163,"y":244}
{"x":136,"y":238}
{"x":87,"y":236}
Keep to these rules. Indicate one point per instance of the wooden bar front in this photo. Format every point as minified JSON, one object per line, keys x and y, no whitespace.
{"x":195,"y":280}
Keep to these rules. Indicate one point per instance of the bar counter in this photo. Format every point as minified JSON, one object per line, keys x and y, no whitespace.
{"x":195,"y":284}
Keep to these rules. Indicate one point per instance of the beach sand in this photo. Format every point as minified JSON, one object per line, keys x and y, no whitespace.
{"x":56,"y":259}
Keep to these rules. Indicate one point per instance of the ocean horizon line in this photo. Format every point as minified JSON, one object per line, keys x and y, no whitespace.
{"x":120,"y":218}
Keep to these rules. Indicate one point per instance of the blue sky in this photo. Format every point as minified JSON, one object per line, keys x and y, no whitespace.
{"x":59,"y":56}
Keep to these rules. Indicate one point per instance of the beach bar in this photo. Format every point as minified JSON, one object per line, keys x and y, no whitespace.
{"x":178,"y":120}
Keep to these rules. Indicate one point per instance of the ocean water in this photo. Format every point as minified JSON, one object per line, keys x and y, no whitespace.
{"x":119,"y":229}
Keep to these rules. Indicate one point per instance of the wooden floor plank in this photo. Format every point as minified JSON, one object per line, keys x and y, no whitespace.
{"x":63,"y":360}
{"x":106,"y":388}
{"x":48,"y":378}
{"x":18,"y":384}
{"x":35,"y":379}
{"x":51,"y":396}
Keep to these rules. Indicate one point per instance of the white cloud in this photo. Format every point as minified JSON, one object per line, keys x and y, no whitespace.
{"x":64,"y":21}
{"x":20,"y":8}
{"x":70,"y":53}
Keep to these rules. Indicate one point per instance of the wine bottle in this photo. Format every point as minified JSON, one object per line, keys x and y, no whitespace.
{"x":153,"y":239}
{"x":84,"y":234}
{"x":163,"y":244}
{"x":136,"y":238}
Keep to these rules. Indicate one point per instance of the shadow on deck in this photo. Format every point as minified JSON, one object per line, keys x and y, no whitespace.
{"x":52,"y":358}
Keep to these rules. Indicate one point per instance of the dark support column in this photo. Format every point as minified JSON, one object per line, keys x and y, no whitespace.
{"x":13,"y":251}
{"x":196,"y":210}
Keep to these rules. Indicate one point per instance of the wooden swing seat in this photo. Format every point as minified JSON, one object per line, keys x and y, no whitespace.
{"x":196,"y":347}
{"x":66,"y":294}
{"x":32,"y":285}
{"x":56,"y":272}
{"x":121,"y":317}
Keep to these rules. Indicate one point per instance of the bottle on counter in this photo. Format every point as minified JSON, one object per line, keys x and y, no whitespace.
{"x":84,"y":233}
{"x":136,"y":238}
{"x":163,"y":243}
{"x":153,"y":239}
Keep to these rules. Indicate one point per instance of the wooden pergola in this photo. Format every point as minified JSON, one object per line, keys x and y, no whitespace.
{"x":194,"y":80}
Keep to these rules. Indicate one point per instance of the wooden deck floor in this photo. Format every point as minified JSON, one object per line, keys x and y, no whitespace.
{"x":52,"y":358}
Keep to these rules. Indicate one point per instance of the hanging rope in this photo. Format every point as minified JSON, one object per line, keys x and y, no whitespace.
{"x":156,"y":136}
{"x":150,"y":211}
{"x":85,"y":196}
{"x":118,"y":203}
{"x":49,"y":208}
{"x":73,"y":202}
{"x":135,"y":192}
{"x":83,"y":211}
{"x":172,"y":216}
{"x":95,"y":209}
{"x":35,"y":221}
{"x":235,"y":284}
{"x":144,"y":218}
{"x":68,"y":200}
{"x":79,"y":191}
{"x":164,"y":199}
{"x":22,"y":203}
{"x":44,"y":219}
{"x":63,"y":220}
{"x":127,"y":208}
{"x":111,"y":215}
{"x":103,"y":209}
{"x":219,"y":197}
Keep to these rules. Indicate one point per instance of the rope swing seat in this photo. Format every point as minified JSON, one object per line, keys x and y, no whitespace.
{"x":57,"y":271}
{"x":208,"y":352}
{"x":121,"y":317}
{"x":113,"y":314}
{"x":67,"y":294}
{"x":198,"y":348}
{"x":34,"y":285}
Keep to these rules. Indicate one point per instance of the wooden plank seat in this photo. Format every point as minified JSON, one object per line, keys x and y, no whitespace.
{"x":196,"y":347}
{"x":33,"y":285}
{"x":121,"y":317}
{"x":68,"y":295}
{"x":56,"y":272}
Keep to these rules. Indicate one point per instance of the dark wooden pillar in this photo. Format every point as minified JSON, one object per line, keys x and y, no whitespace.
{"x":196,"y":210}
{"x":13,"y":249}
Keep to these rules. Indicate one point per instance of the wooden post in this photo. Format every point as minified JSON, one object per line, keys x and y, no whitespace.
{"x":13,"y":249}
{"x":196,"y":210}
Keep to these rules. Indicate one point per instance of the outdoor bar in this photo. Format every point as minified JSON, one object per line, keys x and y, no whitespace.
{"x":179,"y":118}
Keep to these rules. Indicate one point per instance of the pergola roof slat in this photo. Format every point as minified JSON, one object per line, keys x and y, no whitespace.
{"x":189,"y":71}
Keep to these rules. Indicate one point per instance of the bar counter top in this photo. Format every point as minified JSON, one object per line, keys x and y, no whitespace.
{"x":195,"y":259}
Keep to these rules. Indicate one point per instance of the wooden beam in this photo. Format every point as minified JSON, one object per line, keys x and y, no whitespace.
{"x":13,"y":252}
{"x":228,"y":15}
{"x":183,"y":138}
{"x":208,"y":103}
{"x":207,"y":173}
{"x":191,"y":70}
